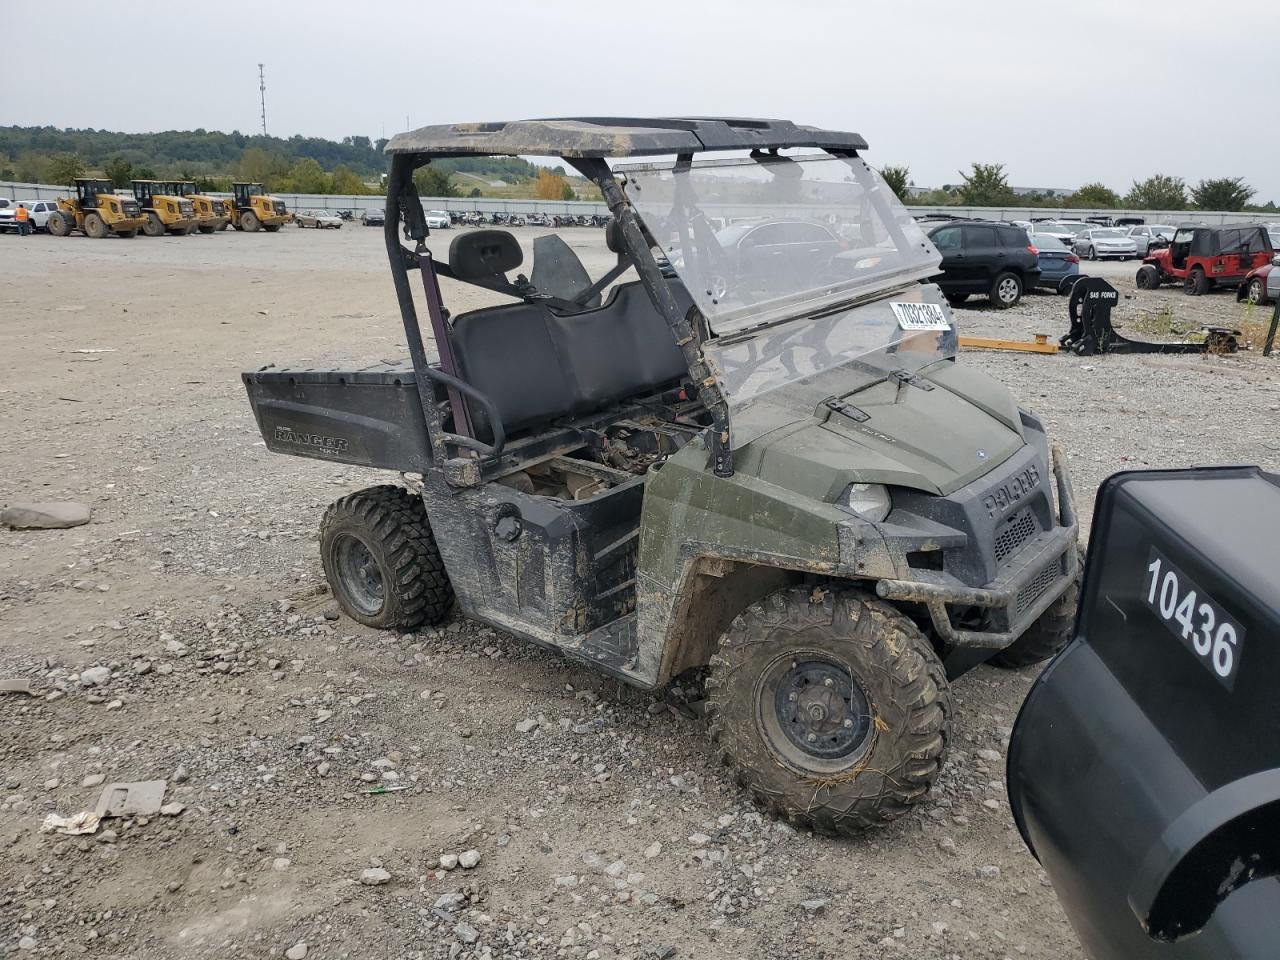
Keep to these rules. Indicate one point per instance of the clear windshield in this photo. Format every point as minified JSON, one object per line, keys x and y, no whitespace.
{"x":758,"y":240}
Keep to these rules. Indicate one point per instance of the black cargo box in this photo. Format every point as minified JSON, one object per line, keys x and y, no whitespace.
{"x":370,"y":417}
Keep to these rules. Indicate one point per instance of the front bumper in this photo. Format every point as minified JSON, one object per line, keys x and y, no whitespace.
{"x":1024,"y":588}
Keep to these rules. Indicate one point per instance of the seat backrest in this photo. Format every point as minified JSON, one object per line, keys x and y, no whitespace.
{"x":538,"y":365}
{"x":484,"y":254}
{"x":557,"y":271}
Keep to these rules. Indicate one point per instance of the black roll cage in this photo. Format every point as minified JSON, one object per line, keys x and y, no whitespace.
{"x":688,"y":328}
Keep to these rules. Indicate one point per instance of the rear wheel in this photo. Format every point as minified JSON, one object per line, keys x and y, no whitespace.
{"x":154,"y":227}
{"x":94,"y":226}
{"x":831,"y":706}
{"x":271,"y":227}
{"x":1256,"y":292}
{"x":382,"y":561}
{"x":249,"y":221}
{"x":1091,"y":254}
{"x":58,"y":225}
{"x":1148,"y":277}
{"x":1006,"y":290}
{"x":1196,"y":283}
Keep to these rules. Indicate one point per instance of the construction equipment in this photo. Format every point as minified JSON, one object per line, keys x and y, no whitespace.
{"x":1092,"y":300}
{"x":1144,"y":767}
{"x":96,"y":211}
{"x":211,"y":212}
{"x":251,"y":209}
{"x":165,"y":211}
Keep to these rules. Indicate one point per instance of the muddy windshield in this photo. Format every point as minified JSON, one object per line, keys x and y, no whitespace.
{"x":763,"y":239}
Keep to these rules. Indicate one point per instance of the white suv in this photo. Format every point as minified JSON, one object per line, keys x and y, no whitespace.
{"x":39,"y":210}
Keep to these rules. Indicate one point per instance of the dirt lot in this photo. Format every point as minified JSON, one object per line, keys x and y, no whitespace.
{"x":605,"y":831}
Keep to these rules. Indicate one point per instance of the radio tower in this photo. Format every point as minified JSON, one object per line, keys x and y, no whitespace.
{"x":262,"y":91}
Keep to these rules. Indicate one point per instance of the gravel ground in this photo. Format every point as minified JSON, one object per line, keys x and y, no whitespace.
{"x":602,"y":826}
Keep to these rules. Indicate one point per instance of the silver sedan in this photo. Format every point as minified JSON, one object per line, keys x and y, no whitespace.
{"x":1103,"y":242}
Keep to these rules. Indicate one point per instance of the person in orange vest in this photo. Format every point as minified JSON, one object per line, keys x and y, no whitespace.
{"x":23,"y":217}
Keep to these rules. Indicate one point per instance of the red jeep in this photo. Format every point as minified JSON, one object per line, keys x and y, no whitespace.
{"x":1206,"y":257}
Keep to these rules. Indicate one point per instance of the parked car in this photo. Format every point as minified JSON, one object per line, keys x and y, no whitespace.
{"x":1261,"y":284}
{"x":1151,"y":235}
{"x":320,"y":219}
{"x":1058,"y":263}
{"x":1103,"y":242}
{"x":1051,"y":228}
{"x":1201,"y":257}
{"x":978,"y":256}
{"x":39,"y":210}
{"x":808,"y":249}
{"x":373,"y":217}
{"x":438,"y":220}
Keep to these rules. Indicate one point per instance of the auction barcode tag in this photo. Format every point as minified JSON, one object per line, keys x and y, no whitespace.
{"x":920,"y":316}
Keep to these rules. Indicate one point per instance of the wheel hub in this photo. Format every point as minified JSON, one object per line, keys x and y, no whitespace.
{"x":361,"y":577}
{"x":821,"y":710}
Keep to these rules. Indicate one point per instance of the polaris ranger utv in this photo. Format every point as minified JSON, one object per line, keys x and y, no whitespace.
{"x":745,"y":446}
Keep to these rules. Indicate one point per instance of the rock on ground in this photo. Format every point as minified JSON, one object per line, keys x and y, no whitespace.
{"x":44,"y":516}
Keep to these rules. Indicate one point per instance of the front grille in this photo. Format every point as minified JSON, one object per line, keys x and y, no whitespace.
{"x":186,"y":209}
{"x":279,"y":206}
{"x":1034,"y":590}
{"x":219,"y":207}
{"x":1020,"y":528}
{"x":130,"y":208}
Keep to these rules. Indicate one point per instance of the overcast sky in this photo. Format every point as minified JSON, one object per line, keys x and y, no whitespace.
{"x":1062,"y":93}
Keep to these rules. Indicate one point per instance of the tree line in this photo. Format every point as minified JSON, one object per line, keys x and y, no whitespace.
{"x":987,"y":185}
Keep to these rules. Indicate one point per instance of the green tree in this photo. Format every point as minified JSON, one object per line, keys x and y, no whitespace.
{"x":345,"y":180}
{"x":64,"y":168}
{"x":1157,"y":192}
{"x":475,"y":192}
{"x":568,"y":193}
{"x":899,"y":181}
{"x":307,"y":176}
{"x":119,"y":171}
{"x":986,"y":186}
{"x":1224,"y":193}
{"x":1094,"y":195}
{"x":258,"y":166}
{"x":434,"y":182}
{"x":144,"y":173}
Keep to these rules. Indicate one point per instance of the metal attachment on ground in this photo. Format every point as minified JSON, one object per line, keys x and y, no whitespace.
{"x":1091,"y":332}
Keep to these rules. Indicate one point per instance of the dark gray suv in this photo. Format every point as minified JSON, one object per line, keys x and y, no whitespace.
{"x":981,"y":257}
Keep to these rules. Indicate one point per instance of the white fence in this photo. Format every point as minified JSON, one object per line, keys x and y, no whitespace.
{"x":308,"y":201}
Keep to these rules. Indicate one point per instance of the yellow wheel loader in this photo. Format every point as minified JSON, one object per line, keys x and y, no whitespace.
{"x":211,"y":212}
{"x":253,"y":210}
{"x":96,"y":211}
{"x":166,"y":212}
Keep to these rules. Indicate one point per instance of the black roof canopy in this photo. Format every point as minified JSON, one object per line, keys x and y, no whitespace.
{"x":617,"y":137}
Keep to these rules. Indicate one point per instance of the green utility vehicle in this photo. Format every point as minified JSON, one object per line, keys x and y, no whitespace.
{"x":743,"y":443}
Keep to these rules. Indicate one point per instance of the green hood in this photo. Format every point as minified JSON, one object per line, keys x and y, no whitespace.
{"x":932,"y":440}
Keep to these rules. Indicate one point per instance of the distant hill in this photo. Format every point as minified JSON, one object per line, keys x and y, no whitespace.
{"x":354,"y":164}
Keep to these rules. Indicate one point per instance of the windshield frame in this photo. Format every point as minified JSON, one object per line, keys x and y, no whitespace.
{"x":881,"y":209}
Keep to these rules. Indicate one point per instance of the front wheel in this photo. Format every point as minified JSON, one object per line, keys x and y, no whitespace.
{"x":1006,"y":291}
{"x":1256,"y":292}
{"x":1148,"y":277}
{"x":271,"y":227}
{"x":831,"y":706}
{"x":1091,"y":254}
{"x":382,"y":561}
{"x":1196,"y":284}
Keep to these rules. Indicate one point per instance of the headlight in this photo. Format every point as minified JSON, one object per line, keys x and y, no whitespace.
{"x":870,"y":501}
